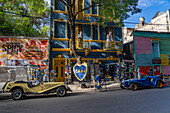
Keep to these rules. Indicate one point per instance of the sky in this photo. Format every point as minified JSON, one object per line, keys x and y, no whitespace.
{"x":149,"y":9}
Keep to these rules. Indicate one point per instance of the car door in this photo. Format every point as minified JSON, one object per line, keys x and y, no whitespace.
{"x":149,"y":81}
{"x":37,"y":88}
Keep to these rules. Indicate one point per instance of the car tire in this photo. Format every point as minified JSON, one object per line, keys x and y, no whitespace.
{"x":133,"y":87}
{"x":17,"y":94}
{"x":159,"y":84}
{"x":121,"y":86}
{"x":61,"y":91}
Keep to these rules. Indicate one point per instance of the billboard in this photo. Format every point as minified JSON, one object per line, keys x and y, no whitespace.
{"x":23,"y":49}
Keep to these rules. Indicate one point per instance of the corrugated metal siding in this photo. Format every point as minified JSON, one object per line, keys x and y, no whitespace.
{"x":143,"y":45}
{"x":164,"y":45}
{"x":144,"y":59}
{"x":166,"y":70}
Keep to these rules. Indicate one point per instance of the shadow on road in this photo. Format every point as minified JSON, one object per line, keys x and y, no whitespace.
{"x":52,"y":95}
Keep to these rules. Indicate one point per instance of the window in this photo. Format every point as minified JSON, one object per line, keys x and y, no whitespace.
{"x":108,"y":29}
{"x":87,"y":4}
{"x":103,"y":33}
{"x":59,"y":6}
{"x":95,"y":32}
{"x":94,"y":9}
{"x":155,"y":50}
{"x":86,"y":32}
{"x":60,"y":29}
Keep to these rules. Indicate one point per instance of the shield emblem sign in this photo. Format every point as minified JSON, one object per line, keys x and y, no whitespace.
{"x":80,"y":71}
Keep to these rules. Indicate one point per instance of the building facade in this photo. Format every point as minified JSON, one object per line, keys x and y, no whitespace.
{"x":152,"y":51}
{"x":92,"y":47}
{"x":150,"y":43}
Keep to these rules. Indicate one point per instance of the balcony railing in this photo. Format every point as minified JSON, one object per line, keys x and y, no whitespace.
{"x":86,"y":44}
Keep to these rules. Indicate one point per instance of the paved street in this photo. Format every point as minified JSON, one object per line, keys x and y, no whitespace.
{"x":150,"y":100}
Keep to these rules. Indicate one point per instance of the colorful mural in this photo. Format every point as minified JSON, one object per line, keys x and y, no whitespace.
{"x":23,"y":49}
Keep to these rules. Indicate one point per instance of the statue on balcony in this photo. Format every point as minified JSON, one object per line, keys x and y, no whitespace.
{"x":109,"y":40}
{"x":80,"y":40}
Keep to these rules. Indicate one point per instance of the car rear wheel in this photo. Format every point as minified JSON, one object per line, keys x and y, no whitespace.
{"x":61,"y":91}
{"x":159,"y":84}
{"x":17,"y":94}
{"x":133,"y":87}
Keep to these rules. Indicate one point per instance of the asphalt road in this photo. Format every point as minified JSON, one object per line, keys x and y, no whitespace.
{"x":150,"y":100}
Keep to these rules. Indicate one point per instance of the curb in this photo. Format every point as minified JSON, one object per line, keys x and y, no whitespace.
{"x":4,"y":96}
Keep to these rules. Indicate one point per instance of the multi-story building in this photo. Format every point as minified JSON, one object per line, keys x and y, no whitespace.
{"x":92,"y":48}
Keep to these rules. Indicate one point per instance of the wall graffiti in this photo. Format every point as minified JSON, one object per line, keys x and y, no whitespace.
{"x":23,"y":49}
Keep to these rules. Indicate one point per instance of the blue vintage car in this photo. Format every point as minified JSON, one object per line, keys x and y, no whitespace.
{"x":149,"y":81}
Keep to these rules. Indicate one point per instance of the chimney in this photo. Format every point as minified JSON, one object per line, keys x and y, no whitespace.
{"x":141,"y":23}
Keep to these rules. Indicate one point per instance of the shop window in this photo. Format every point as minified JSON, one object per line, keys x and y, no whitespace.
{"x":59,"y":6}
{"x":60,"y":30}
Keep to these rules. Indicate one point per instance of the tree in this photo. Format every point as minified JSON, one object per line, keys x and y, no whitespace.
{"x":24,"y":18}
{"x":110,"y":11}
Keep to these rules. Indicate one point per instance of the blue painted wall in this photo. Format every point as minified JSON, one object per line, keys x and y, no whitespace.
{"x":60,"y":32}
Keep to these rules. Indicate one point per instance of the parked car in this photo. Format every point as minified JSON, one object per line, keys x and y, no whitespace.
{"x":21,"y":88}
{"x":148,"y":81}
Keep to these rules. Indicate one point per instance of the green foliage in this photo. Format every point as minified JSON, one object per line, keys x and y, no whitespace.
{"x":24,"y":18}
{"x":117,"y":10}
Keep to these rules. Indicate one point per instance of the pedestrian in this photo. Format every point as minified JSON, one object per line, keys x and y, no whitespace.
{"x":98,"y":81}
{"x":161,"y":76}
{"x":150,"y":71}
{"x":45,"y":77}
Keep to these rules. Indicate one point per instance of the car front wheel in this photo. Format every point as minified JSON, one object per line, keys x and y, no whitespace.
{"x":133,"y":87}
{"x":17,"y":94}
{"x":159,"y":84}
{"x":61,"y":91}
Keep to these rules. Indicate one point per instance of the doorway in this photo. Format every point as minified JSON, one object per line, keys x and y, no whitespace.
{"x":59,"y":65}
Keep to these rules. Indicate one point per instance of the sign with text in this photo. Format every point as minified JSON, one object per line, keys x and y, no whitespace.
{"x":80,"y":71}
{"x":23,"y":49}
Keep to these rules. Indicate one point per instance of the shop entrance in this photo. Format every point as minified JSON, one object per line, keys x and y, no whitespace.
{"x":59,"y":64}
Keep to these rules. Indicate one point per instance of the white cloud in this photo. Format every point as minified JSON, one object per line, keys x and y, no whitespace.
{"x":148,"y":3}
{"x":162,"y":2}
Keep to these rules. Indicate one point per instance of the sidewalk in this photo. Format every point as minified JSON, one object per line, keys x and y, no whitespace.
{"x":74,"y":87}
{"x":77,"y":88}
{"x":4,"y":95}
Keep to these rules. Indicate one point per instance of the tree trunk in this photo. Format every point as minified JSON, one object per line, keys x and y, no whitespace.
{"x":73,"y":47}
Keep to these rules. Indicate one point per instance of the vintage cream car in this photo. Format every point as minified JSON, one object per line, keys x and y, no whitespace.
{"x":20,"y":88}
